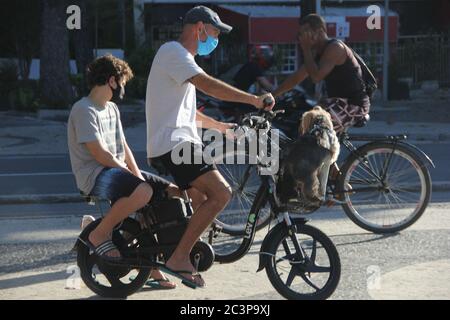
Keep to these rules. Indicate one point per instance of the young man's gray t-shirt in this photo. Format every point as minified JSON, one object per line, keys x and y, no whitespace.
{"x":88,"y":123}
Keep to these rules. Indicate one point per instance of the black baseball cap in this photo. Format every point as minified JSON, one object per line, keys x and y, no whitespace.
{"x":206,"y":15}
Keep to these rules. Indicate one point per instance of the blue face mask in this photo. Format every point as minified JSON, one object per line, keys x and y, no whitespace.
{"x":205,"y":48}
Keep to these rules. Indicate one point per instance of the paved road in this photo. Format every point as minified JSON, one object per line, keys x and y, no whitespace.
{"x":51,"y":174}
{"x":35,"y":243}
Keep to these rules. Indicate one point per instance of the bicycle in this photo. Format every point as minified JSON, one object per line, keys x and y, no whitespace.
{"x":309,"y":255}
{"x":389,"y":179}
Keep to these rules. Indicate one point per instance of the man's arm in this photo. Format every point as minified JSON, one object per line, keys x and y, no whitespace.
{"x":299,"y":76}
{"x":104,"y":157}
{"x":330,"y":58}
{"x":210,"y":123}
{"x":265,"y":84}
{"x":131,"y":162}
{"x":221,"y":90}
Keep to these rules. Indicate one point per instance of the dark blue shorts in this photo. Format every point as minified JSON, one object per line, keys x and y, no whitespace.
{"x":114,"y":184}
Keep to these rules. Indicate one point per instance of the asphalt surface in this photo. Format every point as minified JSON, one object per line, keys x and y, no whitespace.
{"x":51,"y":173}
{"x":35,"y":258}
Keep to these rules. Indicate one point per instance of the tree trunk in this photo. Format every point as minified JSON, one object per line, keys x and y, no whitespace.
{"x":83,"y":42}
{"x":122,"y":22}
{"x":307,"y":7}
{"x":56,"y":89}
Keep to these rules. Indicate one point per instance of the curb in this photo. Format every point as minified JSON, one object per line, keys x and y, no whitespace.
{"x":413,"y":138}
{"x":42,"y":198}
{"x":441,"y":186}
{"x":77,"y":198}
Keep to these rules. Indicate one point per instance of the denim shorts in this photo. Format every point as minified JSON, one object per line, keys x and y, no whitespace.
{"x":114,"y":183}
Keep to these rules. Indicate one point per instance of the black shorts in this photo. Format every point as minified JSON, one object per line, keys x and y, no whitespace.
{"x":183,"y":173}
{"x":114,"y":183}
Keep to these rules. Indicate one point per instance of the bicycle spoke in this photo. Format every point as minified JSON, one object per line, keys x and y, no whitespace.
{"x":308,"y":281}
{"x":313,"y":252}
{"x":394,"y":203}
{"x":318,"y":269}
{"x":113,"y":280}
{"x":291,"y":276}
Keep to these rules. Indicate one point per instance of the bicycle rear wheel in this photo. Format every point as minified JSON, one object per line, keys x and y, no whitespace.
{"x":385,"y":205}
{"x":113,"y":281}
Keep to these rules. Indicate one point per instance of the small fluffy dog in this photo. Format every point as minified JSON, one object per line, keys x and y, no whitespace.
{"x":306,"y":162}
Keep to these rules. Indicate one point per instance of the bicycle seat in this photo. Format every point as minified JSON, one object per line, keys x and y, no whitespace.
{"x":362,"y":122}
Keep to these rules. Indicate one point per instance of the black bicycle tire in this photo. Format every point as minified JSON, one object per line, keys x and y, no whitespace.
{"x":127,"y":290}
{"x":335,"y":264}
{"x":363,"y":151}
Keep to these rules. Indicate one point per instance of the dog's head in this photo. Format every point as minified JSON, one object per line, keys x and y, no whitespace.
{"x":316,"y":116}
{"x":318,"y":123}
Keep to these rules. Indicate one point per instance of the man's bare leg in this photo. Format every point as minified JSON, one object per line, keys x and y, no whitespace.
{"x":218,"y":194}
{"x":118,"y":212}
{"x":196,"y":196}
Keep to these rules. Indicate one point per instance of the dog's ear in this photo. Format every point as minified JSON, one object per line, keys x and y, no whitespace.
{"x":318,"y":108}
{"x":305,"y":123}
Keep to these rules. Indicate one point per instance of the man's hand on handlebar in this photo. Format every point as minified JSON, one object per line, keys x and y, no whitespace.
{"x":228,"y":129}
{"x":265,"y":102}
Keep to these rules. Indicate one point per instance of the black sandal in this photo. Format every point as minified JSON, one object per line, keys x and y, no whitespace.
{"x":102,"y":249}
{"x":177,"y":273}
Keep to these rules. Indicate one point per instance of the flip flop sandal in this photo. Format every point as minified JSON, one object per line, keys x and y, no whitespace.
{"x":155,"y":284}
{"x":188,"y":283}
{"x":102,"y":249}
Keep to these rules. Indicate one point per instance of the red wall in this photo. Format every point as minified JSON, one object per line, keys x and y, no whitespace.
{"x":273,"y":30}
{"x":238,"y":21}
{"x":360,"y":33}
{"x":442,"y":11}
{"x":284,"y":30}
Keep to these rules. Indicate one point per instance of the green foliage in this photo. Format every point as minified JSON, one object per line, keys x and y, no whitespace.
{"x":141,"y":59}
{"x":8,"y":77}
{"x":136,"y":88}
{"x":25,"y":96}
{"x":424,"y":55}
{"x":78,"y":83}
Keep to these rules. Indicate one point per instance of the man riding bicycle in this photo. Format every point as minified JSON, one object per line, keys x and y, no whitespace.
{"x":171,"y":125}
{"x":334,"y":62}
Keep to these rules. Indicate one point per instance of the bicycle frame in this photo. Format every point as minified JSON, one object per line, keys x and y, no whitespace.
{"x":266,"y":192}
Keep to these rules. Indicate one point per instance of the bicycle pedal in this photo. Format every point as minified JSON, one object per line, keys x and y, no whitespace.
{"x":333,"y":201}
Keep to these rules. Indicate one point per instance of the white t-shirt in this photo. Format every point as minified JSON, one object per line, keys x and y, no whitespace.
{"x":171,"y":100}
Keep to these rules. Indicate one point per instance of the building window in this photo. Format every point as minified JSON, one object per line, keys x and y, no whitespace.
{"x":163,"y":34}
{"x":371,"y":52}
{"x":287,"y":54}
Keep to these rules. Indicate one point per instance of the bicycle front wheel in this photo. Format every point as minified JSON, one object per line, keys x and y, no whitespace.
{"x":313,"y":273}
{"x":387,"y":188}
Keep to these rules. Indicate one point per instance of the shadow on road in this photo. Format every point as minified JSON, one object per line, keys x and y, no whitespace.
{"x":24,"y":281}
{"x":371,"y":237}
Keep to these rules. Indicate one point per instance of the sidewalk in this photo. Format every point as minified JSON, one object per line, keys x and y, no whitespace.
{"x":21,"y":135}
